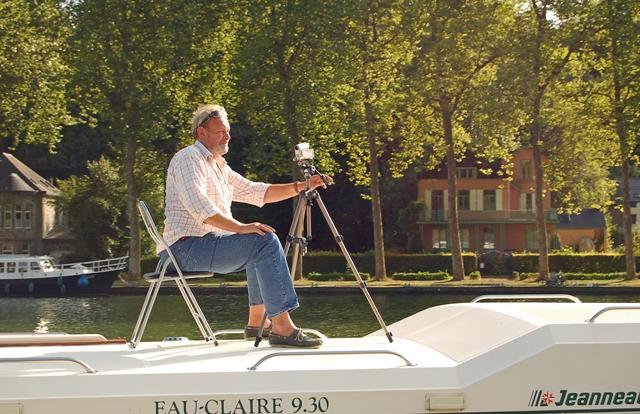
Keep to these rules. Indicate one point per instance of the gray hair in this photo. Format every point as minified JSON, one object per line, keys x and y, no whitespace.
{"x":204,"y":113}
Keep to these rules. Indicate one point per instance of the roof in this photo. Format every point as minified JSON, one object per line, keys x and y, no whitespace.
{"x":15,"y":176}
{"x":588,"y":218}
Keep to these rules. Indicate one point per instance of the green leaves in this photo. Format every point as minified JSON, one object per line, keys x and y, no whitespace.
{"x":33,"y":72}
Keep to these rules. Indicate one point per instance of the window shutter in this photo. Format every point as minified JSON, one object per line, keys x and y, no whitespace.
{"x":499,"y":199}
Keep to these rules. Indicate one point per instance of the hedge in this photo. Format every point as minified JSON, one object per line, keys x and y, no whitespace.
{"x":331,"y":262}
{"x":572,"y":262}
{"x":421,"y":276}
{"x":580,"y":276}
{"x":335,"y":276}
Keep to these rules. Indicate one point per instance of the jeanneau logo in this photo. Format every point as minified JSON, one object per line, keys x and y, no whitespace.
{"x":540,"y":398}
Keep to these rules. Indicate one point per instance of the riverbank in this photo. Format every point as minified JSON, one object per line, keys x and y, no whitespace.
{"x":481,"y":287}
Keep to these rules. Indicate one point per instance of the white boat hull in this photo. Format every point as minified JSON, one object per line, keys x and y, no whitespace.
{"x":471,"y":358}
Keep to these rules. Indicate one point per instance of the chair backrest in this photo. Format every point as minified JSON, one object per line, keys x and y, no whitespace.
{"x":151,"y":225}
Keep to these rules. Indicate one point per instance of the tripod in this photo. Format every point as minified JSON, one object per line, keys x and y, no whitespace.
{"x":302,"y":210}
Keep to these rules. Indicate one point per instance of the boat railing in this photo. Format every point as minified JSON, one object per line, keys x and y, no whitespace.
{"x":116,"y":263}
{"x":612,"y":308}
{"x":316,"y":353}
{"x":86,"y":367}
{"x":540,"y":297}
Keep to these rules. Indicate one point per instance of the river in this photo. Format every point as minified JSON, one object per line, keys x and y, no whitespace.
{"x":114,"y":316}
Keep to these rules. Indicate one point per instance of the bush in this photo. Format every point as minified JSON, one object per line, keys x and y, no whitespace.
{"x":571,"y":262}
{"x":330,"y":262}
{"x":421,"y":276}
{"x":475,"y":275}
{"x":515,"y":275}
{"x":594,"y":276}
{"x":335,"y":276}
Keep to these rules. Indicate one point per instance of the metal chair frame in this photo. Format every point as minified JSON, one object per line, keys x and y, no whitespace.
{"x":156,"y":278}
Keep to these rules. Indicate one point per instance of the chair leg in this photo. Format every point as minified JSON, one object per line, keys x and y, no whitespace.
{"x":196,"y":311}
{"x":145,"y":312}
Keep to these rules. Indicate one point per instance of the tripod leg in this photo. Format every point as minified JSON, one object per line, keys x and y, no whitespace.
{"x":297,"y":218}
{"x":345,"y":252}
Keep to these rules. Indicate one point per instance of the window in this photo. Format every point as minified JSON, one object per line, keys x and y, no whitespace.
{"x":464,"y":236}
{"x":529,"y":201}
{"x":439,"y":238}
{"x":34,"y":266}
{"x":489,"y":238}
{"x":466,"y":172}
{"x":11,"y":267}
{"x":489,"y":199}
{"x":25,"y":248}
{"x":7,"y":249}
{"x":8,"y":216}
{"x":463,"y":200}
{"x":1,"y":267}
{"x":525,"y":169}
{"x":437,"y":204}
{"x":27,"y":217}
{"x":23,"y":267}
{"x":18,"y":217}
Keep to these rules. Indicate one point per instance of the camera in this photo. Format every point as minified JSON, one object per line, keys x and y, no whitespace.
{"x":303,"y":153}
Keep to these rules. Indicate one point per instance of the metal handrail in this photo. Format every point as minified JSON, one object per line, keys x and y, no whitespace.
{"x":87,"y":368}
{"x":116,"y":263}
{"x":315,"y":353}
{"x":611,"y":308}
{"x":570,"y":298}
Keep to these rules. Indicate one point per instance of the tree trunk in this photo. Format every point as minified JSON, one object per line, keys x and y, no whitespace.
{"x":630,"y":259}
{"x":454,"y":223}
{"x":543,"y":248}
{"x":621,"y":132}
{"x":132,"y":199}
{"x":536,"y":143}
{"x":376,"y":208}
{"x":294,"y":137}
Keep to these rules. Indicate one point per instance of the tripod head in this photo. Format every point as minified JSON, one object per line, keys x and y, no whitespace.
{"x":303,"y":156}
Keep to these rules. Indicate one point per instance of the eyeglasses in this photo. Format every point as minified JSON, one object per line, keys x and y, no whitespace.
{"x":212,"y":114}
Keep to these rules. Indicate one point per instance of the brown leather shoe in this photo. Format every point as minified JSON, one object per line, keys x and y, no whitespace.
{"x":296,"y":340}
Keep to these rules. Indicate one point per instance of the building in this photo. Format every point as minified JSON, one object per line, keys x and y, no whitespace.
{"x":29,"y":221}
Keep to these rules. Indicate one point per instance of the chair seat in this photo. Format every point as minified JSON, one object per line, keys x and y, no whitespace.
{"x":153,"y":277}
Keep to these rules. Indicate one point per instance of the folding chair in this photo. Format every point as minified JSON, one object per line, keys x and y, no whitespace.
{"x":156,"y":278}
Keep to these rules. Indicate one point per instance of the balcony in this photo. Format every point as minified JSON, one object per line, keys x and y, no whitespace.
{"x":488,"y":216}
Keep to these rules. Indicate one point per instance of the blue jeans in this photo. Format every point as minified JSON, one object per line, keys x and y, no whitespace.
{"x":268,"y":278}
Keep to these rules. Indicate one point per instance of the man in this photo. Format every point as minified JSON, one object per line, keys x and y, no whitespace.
{"x":204,"y":236}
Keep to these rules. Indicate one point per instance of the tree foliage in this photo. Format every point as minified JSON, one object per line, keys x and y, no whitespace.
{"x":33,"y":72}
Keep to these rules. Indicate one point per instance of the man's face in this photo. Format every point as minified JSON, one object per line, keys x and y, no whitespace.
{"x":214,"y":135}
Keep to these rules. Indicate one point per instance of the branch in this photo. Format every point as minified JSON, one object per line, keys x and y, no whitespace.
{"x":467,"y":81}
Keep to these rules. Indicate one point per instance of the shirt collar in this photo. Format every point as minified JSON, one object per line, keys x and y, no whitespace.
{"x":207,"y":154}
{"x":202,"y":149}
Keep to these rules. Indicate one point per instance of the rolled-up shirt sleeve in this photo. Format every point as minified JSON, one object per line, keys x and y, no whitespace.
{"x":247,"y":191}
{"x":189,"y":175}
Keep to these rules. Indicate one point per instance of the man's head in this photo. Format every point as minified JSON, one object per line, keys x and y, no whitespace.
{"x":210,"y":126}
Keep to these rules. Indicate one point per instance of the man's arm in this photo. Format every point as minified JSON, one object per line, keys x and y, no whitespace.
{"x":279,"y":192}
{"x":230,"y":224}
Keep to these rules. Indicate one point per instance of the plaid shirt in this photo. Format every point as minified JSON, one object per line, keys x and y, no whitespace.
{"x":198,"y":187}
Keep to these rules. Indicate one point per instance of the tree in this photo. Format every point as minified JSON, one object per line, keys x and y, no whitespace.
{"x":142,"y":67}
{"x":33,"y":72}
{"x":96,"y":206}
{"x":550,"y":33}
{"x":459,"y":44}
{"x":615,"y":93}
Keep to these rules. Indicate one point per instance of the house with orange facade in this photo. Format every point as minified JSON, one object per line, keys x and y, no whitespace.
{"x":495,"y":213}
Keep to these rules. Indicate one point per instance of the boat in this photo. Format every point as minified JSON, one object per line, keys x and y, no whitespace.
{"x":23,"y":275}
{"x":515,"y":354}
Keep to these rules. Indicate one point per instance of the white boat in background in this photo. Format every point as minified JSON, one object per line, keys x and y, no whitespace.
{"x":22,"y":275}
{"x":482,"y":357}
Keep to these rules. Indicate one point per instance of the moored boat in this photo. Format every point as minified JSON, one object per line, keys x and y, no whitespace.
{"x":22,"y":275}
{"x":479,"y":357}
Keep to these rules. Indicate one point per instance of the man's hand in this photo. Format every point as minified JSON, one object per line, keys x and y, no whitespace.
{"x":320,"y":180}
{"x":256,"y":227}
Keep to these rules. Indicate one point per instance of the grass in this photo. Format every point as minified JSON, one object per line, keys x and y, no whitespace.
{"x":488,"y":281}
